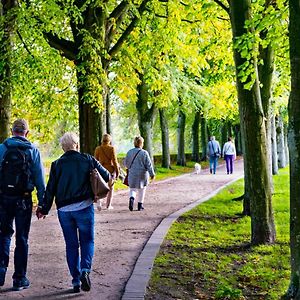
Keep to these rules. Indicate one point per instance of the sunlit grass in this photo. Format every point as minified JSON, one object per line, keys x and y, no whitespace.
{"x":207,"y":255}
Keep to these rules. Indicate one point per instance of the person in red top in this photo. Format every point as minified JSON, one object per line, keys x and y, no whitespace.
{"x":106,"y":155}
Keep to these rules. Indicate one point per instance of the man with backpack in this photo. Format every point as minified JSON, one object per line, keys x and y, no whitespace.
{"x":20,"y":171}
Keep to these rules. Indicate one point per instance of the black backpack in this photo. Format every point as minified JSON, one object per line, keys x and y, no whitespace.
{"x":15,"y":171}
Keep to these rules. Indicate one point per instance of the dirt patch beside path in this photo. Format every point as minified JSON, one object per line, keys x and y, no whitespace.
{"x":119,"y":238}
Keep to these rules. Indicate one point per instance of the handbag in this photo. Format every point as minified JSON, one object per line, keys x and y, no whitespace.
{"x":125,"y":181}
{"x":99,"y":187}
{"x":127,"y":170}
{"x":216,"y":154}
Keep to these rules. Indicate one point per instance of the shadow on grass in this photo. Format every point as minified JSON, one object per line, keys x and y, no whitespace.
{"x":210,"y":218}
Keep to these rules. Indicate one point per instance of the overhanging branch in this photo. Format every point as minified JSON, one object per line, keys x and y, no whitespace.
{"x":128,"y":30}
{"x":67,"y":48}
{"x":220,"y":3}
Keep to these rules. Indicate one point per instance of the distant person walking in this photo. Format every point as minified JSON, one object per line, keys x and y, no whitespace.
{"x":69,"y":183}
{"x":213,"y":152}
{"x":106,"y":155}
{"x":229,"y":155}
{"x":140,"y":168}
{"x":20,"y":171}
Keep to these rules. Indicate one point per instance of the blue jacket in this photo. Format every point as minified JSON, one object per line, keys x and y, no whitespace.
{"x":213,"y":147}
{"x":69,"y":180}
{"x":36,"y":168}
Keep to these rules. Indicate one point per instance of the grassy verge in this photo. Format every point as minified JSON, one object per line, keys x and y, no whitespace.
{"x":206,"y":254}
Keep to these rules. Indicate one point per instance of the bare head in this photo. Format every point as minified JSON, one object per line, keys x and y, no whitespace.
{"x":230,"y":139}
{"x":212,"y":138}
{"x":20,"y":128}
{"x":70,"y":141}
{"x":138,"y":142}
{"x":106,"y":138}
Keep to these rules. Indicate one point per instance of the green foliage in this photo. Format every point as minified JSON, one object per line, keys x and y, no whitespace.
{"x":207,"y":255}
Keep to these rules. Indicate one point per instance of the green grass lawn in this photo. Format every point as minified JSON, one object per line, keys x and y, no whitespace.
{"x":207,"y":255}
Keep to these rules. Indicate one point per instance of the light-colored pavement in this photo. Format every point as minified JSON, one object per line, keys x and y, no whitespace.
{"x":120,"y":236}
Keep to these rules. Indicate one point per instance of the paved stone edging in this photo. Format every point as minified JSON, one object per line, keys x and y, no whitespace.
{"x":137,"y":283}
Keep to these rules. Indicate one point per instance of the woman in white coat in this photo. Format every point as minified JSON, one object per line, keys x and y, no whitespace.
{"x":229,"y":155}
{"x":140,"y":167}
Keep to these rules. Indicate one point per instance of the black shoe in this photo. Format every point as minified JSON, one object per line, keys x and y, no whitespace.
{"x":140,"y":206}
{"x":85,"y":281}
{"x":131,"y":200}
{"x":210,"y":171}
{"x":76,"y":288}
{"x":2,"y":275}
{"x":20,"y":284}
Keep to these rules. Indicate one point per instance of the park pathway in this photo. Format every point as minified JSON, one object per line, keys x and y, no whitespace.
{"x":120,"y":236}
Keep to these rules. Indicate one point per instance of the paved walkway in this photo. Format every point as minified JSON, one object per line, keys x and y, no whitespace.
{"x":120,"y":237}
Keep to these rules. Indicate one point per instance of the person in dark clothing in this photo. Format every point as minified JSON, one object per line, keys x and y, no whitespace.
{"x":20,"y":170}
{"x":69,"y":184}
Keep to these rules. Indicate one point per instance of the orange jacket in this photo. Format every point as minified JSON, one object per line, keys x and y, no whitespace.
{"x":106,"y":155}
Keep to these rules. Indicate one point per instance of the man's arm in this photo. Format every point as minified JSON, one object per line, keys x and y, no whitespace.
{"x":47,"y":201}
{"x":38,"y":175}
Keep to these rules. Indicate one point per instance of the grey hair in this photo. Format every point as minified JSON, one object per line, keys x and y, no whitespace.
{"x":69,"y":141}
{"x":138,"y":141}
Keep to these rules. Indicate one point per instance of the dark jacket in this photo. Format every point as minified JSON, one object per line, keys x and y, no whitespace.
{"x":69,"y":180}
{"x":36,"y":167}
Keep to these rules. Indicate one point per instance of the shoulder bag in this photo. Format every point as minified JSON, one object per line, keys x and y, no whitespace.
{"x":127,"y":170}
{"x":100,"y":188}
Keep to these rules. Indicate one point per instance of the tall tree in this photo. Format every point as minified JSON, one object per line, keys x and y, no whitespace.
{"x":253,"y":129}
{"x":145,"y":115}
{"x":7,"y":20}
{"x":196,"y":137}
{"x":165,"y":144}
{"x":98,"y":31}
{"x":294,"y":149}
{"x":204,"y":136}
{"x":181,"y":158}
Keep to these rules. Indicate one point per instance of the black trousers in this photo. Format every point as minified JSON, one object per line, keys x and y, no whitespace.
{"x":18,"y":209}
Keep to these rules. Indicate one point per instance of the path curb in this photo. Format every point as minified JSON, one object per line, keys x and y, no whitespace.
{"x":137,"y":283}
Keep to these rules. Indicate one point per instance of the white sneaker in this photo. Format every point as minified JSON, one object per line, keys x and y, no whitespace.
{"x":110,"y":207}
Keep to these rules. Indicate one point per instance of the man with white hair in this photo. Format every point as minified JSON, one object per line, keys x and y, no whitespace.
{"x":69,"y":184}
{"x":20,"y":171}
{"x":213,"y":152}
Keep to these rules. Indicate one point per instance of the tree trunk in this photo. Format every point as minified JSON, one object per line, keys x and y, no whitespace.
{"x":90,"y":125}
{"x":247,"y":181}
{"x":238,"y":139}
{"x":195,"y":137}
{"x":280,"y":143}
{"x":265,"y":74}
{"x":166,"y":161}
{"x":254,"y":132}
{"x":145,"y":116}
{"x":204,"y":137}
{"x":294,"y":148}
{"x":286,"y":148}
{"x":107,"y":110}
{"x":224,"y":133}
{"x":6,"y":46}
{"x":181,"y":159}
{"x":274,"y":147}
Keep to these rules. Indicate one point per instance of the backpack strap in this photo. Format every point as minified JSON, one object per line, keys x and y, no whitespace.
{"x":134,"y":158}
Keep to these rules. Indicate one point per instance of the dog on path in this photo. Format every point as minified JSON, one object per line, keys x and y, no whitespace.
{"x":197,"y":168}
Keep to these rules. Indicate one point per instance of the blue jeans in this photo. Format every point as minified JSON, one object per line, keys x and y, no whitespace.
{"x":78,"y":231}
{"x":213,"y":162}
{"x":229,"y":163}
{"x":18,"y":209}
